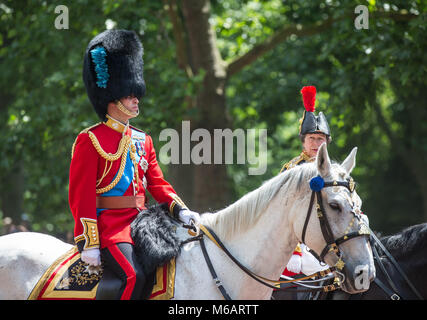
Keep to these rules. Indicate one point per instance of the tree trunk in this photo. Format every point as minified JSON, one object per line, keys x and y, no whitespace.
{"x":211,"y":183}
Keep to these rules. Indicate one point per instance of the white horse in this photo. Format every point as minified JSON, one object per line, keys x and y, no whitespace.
{"x":260,"y":230}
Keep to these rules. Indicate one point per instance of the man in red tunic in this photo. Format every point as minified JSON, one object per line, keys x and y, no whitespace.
{"x":113,"y":163}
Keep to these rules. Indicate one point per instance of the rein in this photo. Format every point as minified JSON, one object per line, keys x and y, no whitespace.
{"x":393,"y":295}
{"x":332,"y":244}
{"x":265,"y":281}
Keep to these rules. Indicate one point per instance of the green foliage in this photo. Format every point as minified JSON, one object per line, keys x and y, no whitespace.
{"x":44,"y":105}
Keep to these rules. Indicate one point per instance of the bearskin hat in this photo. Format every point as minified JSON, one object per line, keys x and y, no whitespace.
{"x":113,"y":68}
{"x":310,"y":123}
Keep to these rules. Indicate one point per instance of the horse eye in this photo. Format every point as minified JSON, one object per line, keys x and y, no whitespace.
{"x":335,"y":206}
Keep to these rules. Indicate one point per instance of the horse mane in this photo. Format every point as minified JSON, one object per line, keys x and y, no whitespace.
{"x":243,"y":213}
{"x":408,"y":241}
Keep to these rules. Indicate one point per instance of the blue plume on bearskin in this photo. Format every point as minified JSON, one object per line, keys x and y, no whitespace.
{"x":98,"y":57}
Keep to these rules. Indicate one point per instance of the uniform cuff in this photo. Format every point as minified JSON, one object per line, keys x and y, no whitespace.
{"x":90,"y":236}
{"x":176,"y":205}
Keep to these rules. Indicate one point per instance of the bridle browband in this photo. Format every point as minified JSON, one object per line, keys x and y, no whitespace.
{"x":332,"y":244}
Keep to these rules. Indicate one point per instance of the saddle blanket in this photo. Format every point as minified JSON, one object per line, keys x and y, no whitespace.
{"x":68,"y":278}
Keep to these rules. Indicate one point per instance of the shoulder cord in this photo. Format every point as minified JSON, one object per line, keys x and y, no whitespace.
{"x":122,"y":150}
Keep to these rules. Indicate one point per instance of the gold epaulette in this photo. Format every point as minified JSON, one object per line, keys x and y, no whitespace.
{"x":83,"y":131}
{"x":296,"y":161}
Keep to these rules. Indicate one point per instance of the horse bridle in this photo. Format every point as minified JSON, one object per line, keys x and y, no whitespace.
{"x":316,"y":184}
{"x":332,"y":244}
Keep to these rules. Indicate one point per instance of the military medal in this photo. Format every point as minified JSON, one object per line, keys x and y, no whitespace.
{"x":143,"y":164}
{"x":140,"y":148}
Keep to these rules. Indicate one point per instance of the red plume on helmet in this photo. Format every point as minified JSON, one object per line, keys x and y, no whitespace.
{"x":310,"y":123}
{"x":309,"y":97}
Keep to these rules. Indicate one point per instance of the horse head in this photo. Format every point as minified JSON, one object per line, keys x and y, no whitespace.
{"x":336,"y":232}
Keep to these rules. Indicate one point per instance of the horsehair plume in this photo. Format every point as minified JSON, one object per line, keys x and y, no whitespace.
{"x":98,"y":55}
{"x":309,"y":97}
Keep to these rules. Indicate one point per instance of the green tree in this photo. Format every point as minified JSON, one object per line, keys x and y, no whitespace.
{"x":221,"y":64}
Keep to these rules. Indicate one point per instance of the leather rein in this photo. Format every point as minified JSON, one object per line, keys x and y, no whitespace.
{"x":393,"y":293}
{"x":332,"y":244}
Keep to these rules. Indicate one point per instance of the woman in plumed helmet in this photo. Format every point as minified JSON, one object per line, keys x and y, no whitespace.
{"x":113,"y":164}
{"x":313,"y":131}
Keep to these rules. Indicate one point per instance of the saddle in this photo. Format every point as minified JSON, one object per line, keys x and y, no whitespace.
{"x":157,"y":245}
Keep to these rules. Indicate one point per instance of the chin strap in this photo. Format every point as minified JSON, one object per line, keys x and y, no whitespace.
{"x":123,"y":109}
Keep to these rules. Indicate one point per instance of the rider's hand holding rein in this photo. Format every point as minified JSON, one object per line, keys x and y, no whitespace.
{"x":91,"y":256}
{"x":186,"y":215}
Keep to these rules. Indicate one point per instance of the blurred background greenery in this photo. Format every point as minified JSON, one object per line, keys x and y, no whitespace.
{"x":220,"y":64}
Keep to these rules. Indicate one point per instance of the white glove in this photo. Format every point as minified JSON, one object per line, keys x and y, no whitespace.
{"x":294,"y":264}
{"x":91,"y":256}
{"x":186,"y":215}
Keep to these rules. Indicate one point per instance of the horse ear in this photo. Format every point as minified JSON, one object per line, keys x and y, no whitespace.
{"x":350,"y":162}
{"x":323,"y":161}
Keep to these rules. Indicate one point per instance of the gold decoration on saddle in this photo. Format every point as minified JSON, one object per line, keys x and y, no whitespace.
{"x":81,"y":274}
